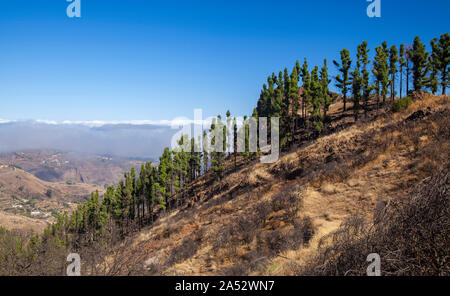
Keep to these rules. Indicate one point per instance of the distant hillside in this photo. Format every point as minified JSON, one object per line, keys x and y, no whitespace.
{"x":23,"y":195}
{"x":55,"y":166}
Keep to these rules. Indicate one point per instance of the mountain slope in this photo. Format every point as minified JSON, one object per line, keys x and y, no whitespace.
{"x":271,"y":219}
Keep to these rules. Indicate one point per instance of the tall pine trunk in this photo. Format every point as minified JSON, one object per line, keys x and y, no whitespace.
{"x":345,"y":101}
{"x":407,"y":79}
{"x":444,"y":81}
{"x":401,"y":81}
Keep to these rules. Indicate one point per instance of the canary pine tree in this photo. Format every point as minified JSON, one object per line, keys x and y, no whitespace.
{"x":306,"y":98}
{"x":317,"y":99}
{"x":205,"y":149}
{"x":218,"y":143}
{"x":402,"y":64}
{"x":324,"y":82}
{"x":431,"y":82}
{"x":393,"y":59}
{"x":439,"y":61}
{"x":362,"y":62}
{"x":381,"y":73}
{"x":294,"y":101}
{"x":444,"y":60}
{"x":229,"y":128}
{"x":420,"y":68}
{"x":235,"y":138}
{"x":356,"y":91}
{"x":344,"y":81}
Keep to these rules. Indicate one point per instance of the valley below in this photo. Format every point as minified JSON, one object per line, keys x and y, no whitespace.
{"x":37,"y":186}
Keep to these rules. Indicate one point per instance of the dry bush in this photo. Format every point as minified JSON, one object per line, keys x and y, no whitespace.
{"x":262,"y":210}
{"x":287,"y":198}
{"x":222,"y":238}
{"x":185,"y":250}
{"x":288,"y":170}
{"x":168,"y":231}
{"x":290,"y":200}
{"x":412,"y":236}
{"x":245,"y":227}
{"x":305,"y":228}
{"x":271,"y":243}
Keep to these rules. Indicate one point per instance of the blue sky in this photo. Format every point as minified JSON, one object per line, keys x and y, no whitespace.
{"x":157,"y":60}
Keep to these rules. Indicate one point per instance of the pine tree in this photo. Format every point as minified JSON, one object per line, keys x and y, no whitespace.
{"x":229,"y":129}
{"x":344,"y":68}
{"x":402,"y":62}
{"x":420,"y":66}
{"x":298,"y":69}
{"x":356,"y":91}
{"x":431,"y":82}
{"x":325,"y":94}
{"x":294,"y":99}
{"x":363,"y":60}
{"x":263,"y":101}
{"x":381,"y":73}
{"x":444,"y":59}
{"x":205,"y":150}
{"x":108,"y":200}
{"x":385,"y":72}
{"x":150,"y":187}
{"x":284,"y":108}
{"x":317,"y":99}
{"x":393,"y":59}
{"x":217,"y":141}
{"x":128,"y":198}
{"x":306,"y":81}
{"x":235,"y":138}
{"x":140,"y":191}
{"x":194,"y":160}
{"x":246,"y":130}
{"x":165,"y":177}
{"x":133,"y":193}
{"x":253,"y":137}
{"x":439,"y":61}
{"x":287,"y":82}
{"x":287,"y":104}
{"x":119,"y":208}
{"x":277,"y":98}
{"x":273,"y":106}
{"x":408,"y":56}
{"x":182,"y":170}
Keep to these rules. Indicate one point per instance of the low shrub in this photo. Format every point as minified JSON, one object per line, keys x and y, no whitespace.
{"x":185,"y":250}
{"x":401,"y":104}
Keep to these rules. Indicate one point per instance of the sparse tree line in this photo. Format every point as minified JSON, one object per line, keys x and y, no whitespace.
{"x":301,"y":98}
{"x":139,"y":198}
{"x":281,"y":96}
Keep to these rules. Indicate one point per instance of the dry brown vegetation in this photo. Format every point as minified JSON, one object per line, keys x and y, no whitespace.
{"x":412,"y":236}
{"x":324,"y":204}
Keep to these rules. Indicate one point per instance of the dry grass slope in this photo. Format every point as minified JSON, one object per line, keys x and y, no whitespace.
{"x":278,"y":219}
